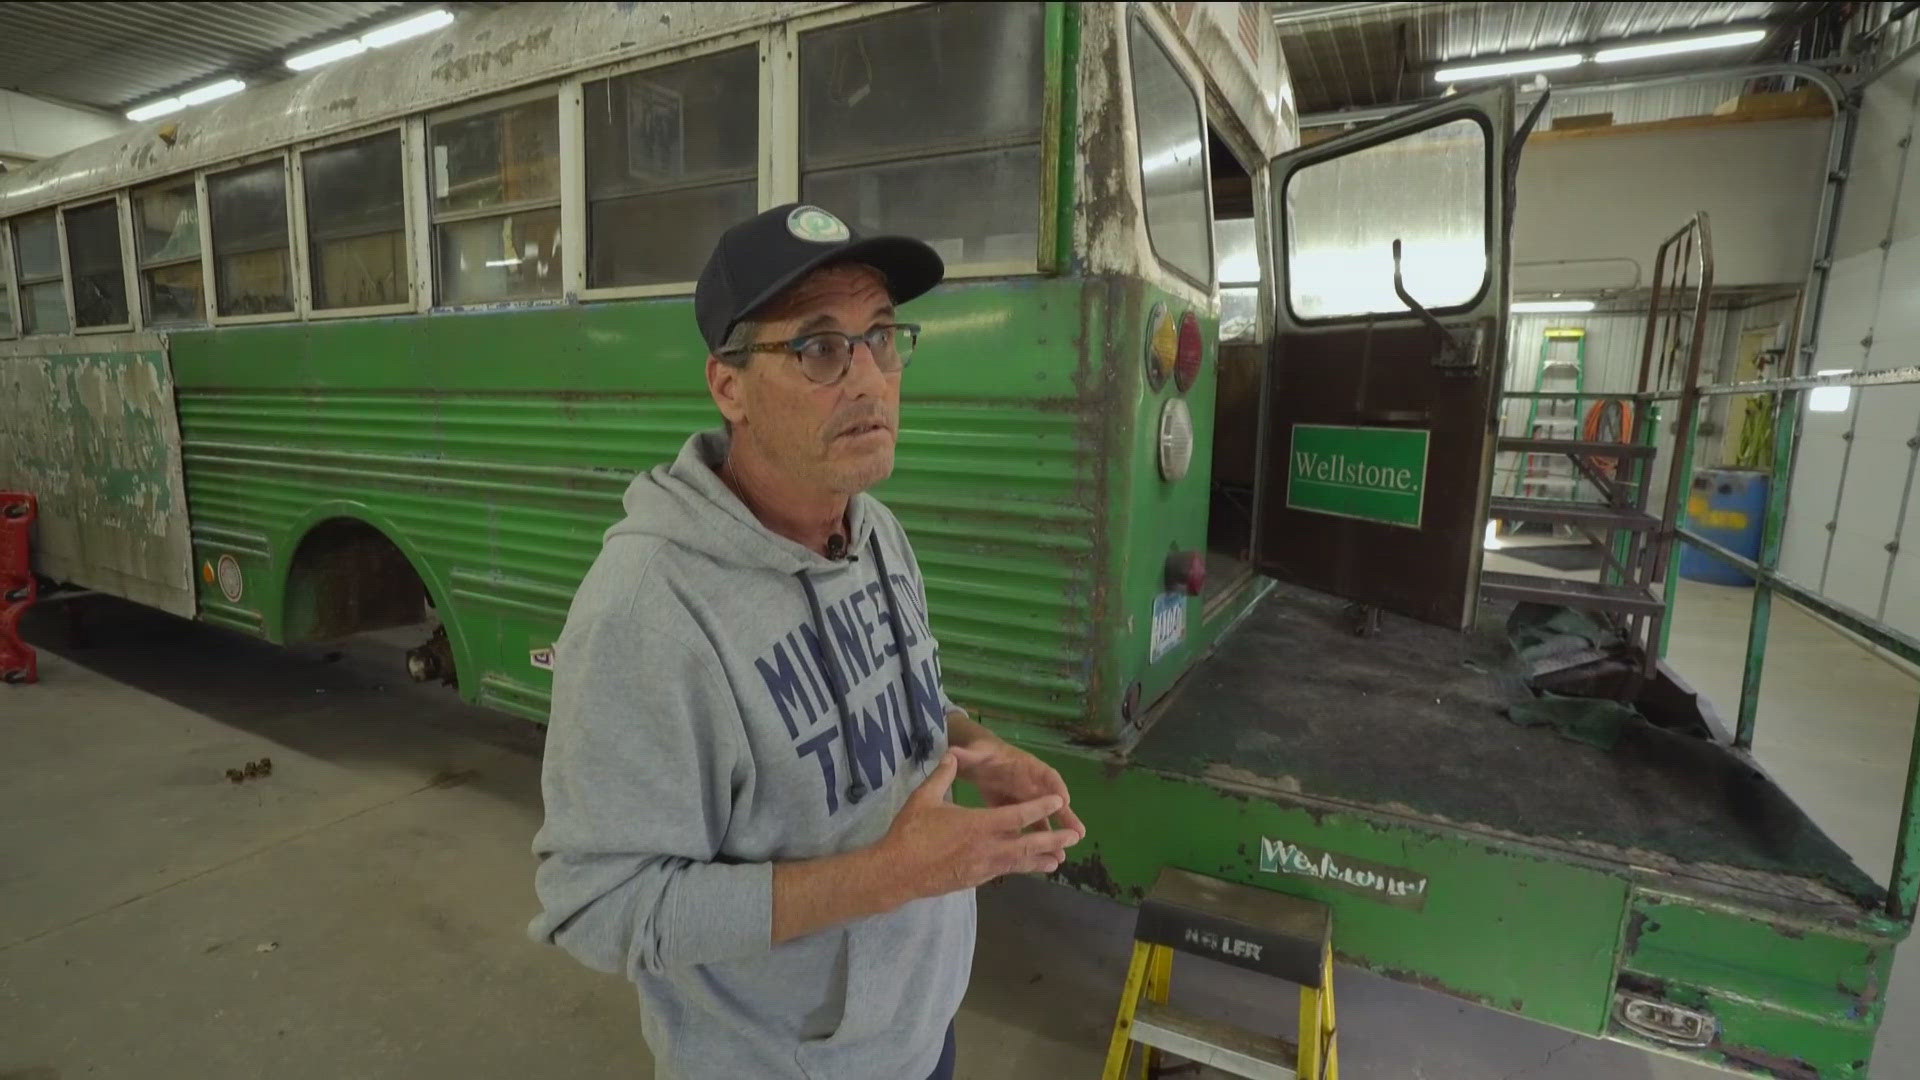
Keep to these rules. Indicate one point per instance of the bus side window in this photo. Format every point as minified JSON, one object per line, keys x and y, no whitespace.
{"x":166,"y":235}
{"x":99,"y":271}
{"x":43,"y":293}
{"x":1173,"y":161}
{"x":6,"y":287}
{"x":252,"y":258}
{"x":927,"y":122}
{"x":672,"y":160}
{"x":495,"y":182}
{"x":356,"y":223}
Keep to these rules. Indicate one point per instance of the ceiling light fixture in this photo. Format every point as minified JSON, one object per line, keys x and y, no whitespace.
{"x":1519,"y":66}
{"x":212,"y":92}
{"x":1551,"y":307}
{"x":423,"y":23}
{"x":326,"y":54}
{"x":154,"y":108}
{"x":1672,"y":46}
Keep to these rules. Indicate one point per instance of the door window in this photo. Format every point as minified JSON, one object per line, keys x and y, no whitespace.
{"x":1427,"y":190}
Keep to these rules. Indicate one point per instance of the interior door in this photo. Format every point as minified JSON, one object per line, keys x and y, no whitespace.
{"x":1377,"y":414}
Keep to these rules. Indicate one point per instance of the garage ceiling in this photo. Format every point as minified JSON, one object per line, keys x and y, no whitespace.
{"x":1354,"y":55}
{"x":113,"y":56}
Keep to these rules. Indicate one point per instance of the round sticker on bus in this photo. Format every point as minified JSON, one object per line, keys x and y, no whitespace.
{"x":815,"y":224}
{"x":232,"y":586}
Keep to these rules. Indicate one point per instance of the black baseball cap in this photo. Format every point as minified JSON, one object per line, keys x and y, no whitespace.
{"x":758,"y":258}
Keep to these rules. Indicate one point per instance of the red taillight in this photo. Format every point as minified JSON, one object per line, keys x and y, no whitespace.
{"x":1186,"y":363}
{"x":1187,"y":572}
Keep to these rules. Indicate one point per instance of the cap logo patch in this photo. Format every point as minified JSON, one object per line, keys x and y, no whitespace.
{"x":815,"y":224}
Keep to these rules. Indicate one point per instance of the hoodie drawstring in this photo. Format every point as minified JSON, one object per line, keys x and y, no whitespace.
{"x":856,"y":787}
{"x":922,"y":735}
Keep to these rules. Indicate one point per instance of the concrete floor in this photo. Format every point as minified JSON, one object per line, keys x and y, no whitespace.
{"x":359,"y":912}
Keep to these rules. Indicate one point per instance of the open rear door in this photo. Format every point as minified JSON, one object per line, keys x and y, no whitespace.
{"x":1377,"y":416}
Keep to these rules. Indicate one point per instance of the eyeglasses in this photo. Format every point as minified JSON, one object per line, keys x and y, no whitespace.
{"x":824,"y":357}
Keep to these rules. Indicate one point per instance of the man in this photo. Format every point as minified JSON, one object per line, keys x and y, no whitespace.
{"x":750,"y":752}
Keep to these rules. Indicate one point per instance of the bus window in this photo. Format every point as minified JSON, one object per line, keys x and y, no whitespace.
{"x":356,"y":223}
{"x":94,"y":259}
{"x":496,"y":203}
{"x":6,"y":288}
{"x":1427,"y":190}
{"x":43,"y":293}
{"x":166,"y":234}
{"x":1173,"y":163}
{"x":887,"y":142}
{"x":252,"y":268}
{"x":672,"y":160}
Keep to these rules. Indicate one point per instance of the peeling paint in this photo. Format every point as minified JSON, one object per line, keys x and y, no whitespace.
{"x":88,"y":426}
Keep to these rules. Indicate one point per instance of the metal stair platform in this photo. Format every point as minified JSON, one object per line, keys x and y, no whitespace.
{"x":1560,"y":511}
{"x":1577,"y":446}
{"x":1212,"y":1043}
{"x":1585,"y":595}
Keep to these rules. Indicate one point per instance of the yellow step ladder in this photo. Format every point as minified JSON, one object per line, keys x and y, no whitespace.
{"x":1271,"y":933}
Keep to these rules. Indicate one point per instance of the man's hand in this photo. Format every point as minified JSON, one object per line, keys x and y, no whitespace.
{"x":935,"y":847}
{"x":1006,"y":774}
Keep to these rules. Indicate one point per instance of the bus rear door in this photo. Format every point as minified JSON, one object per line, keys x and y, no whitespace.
{"x":1377,"y":414}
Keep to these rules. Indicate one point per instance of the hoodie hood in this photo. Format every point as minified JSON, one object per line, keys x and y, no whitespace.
{"x":686,"y":503}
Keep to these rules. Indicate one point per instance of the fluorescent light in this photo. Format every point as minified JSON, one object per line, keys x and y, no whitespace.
{"x":1519,"y":66}
{"x":1830,"y":398}
{"x":1551,"y":307}
{"x":154,"y":108}
{"x":212,"y":91}
{"x":339,"y":50}
{"x":1679,"y":45}
{"x":497,"y":263}
{"x":425,"y":23}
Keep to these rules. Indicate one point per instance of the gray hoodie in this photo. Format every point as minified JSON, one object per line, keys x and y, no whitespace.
{"x":723,"y":699}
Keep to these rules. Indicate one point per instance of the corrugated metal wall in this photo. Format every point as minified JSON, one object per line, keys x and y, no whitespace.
{"x":1611,"y":366}
{"x":1853,"y":525}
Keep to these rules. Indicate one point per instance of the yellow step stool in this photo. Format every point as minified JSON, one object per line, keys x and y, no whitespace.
{"x":1268,"y":932}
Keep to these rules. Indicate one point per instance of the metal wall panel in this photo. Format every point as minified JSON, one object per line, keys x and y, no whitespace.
{"x":1851,"y":509}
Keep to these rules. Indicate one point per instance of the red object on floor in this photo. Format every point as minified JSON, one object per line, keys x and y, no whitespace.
{"x":18,"y":589}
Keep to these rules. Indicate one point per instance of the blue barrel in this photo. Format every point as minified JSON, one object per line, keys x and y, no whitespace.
{"x":1728,"y":507}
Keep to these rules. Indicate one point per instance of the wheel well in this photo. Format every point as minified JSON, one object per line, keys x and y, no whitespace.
{"x":347,"y":577}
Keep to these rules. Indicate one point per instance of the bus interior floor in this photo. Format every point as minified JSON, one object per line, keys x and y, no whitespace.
{"x":1415,"y":719}
{"x":359,"y":909}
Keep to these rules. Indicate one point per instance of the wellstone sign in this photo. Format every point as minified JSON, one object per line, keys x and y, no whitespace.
{"x":1369,"y":473}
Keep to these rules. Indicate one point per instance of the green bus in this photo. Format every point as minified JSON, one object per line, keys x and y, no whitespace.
{"x":382,"y":345}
